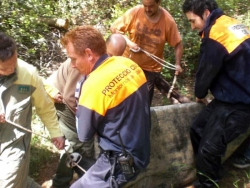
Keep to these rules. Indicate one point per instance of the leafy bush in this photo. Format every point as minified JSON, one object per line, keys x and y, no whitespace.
{"x":35,"y":40}
{"x":38,"y":44}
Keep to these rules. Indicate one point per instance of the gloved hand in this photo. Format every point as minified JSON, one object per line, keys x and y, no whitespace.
{"x":73,"y":159}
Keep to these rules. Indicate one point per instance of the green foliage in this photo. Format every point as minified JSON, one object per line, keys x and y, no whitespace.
{"x":234,"y":7}
{"x":42,"y":150}
{"x":247,"y":176}
{"x":209,"y":179}
{"x":39,"y":156}
{"x":17,"y":19}
{"x":20,"y":19}
{"x":103,"y":13}
{"x":247,"y":181}
{"x":244,"y":18}
{"x":190,"y":39}
{"x":236,"y":180}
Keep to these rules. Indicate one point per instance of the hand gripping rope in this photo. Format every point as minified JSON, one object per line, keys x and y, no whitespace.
{"x":161,"y":62}
{"x":72,"y":160}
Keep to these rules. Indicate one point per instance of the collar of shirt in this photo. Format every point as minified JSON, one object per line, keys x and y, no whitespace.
{"x":100,"y":61}
{"x":5,"y":78}
{"x":212,"y":18}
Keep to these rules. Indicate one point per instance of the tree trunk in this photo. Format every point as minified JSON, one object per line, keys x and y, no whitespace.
{"x":56,"y":22}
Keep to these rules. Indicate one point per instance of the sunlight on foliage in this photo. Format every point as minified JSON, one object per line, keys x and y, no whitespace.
{"x":20,"y":19}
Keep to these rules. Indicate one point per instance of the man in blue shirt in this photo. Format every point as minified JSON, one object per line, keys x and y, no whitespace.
{"x":224,"y":70}
{"x":114,"y":99}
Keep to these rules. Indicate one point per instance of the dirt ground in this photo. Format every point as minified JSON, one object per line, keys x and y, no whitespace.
{"x":48,"y":170}
{"x":233,"y":177}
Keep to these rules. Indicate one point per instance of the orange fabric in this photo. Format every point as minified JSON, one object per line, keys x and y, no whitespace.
{"x":229,"y":32}
{"x":149,"y":36}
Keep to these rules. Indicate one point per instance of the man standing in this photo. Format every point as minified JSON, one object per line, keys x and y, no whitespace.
{"x":20,"y":89}
{"x":149,"y":27}
{"x":113,"y":104}
{"x":224,"y":70}
{"x":61,"y":87}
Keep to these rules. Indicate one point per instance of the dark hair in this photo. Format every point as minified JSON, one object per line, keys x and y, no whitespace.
{"x":198,"y":7}
{"x":83,"y":37}
{"x":7,"y":47}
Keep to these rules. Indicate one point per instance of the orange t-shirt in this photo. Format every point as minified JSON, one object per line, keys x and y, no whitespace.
{"x":148,"y":36}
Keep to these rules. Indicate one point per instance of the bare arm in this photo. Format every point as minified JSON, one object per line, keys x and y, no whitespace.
{"x":178,"y":50}
{"x":128,"y":41}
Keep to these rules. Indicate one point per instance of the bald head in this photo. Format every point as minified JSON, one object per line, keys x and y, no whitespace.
{"x":116,"y":44}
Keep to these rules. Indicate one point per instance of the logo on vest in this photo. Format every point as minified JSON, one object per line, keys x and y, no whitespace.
{"x":239,"y":30}
{"x":23,"y":89}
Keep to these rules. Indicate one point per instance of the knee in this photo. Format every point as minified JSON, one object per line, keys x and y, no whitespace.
{"x":209,"y":156}
{"x":210,"y":148}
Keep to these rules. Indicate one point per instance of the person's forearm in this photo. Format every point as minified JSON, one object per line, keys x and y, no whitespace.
{"x":178,"y":50}
{"x":128,"y":41}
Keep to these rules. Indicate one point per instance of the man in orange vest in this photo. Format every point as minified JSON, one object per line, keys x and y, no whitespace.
{"x":224,"y":70}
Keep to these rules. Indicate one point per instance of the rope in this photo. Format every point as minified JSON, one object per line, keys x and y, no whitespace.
{"x":159,"y":60}
{"x":24,"y":129}
{"x":27,"y":130}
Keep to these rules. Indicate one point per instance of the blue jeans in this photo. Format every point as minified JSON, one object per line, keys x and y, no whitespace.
{"x":99,"y":175}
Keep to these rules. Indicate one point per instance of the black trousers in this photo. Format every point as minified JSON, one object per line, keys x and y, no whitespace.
{"x":156,"y":79}
{"x":214,"y":127}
